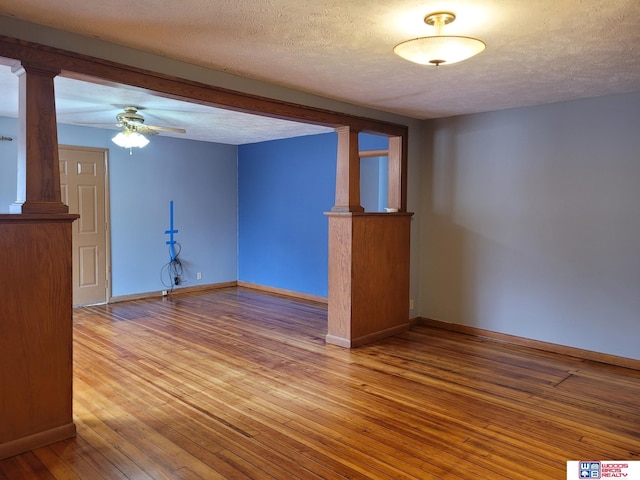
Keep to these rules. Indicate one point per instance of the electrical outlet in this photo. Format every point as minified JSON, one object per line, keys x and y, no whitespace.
{"x":411,"y":305}
{"x":199,"y":276}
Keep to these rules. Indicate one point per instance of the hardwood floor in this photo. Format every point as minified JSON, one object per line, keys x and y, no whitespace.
{"x":236,"y":383}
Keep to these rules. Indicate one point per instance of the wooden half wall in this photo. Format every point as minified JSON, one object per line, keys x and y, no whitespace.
{"x":368,"y":277}
{"x":35,"y":331}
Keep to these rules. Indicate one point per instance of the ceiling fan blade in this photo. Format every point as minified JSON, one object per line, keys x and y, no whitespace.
{"x":111,"y":124}
{"x":145,"y":129}
{"x":166,"y":129}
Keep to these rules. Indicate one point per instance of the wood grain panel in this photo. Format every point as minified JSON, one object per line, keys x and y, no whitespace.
{"x":369,"y":256}
{"x":339,"y":273}
{"x":236,"y":383}
{"x":35,"y":331}
{"x":380,"y":273}
{"x":398,"y":165}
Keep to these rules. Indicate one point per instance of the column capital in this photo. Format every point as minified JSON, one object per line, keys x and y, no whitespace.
{"x":35,"y":68}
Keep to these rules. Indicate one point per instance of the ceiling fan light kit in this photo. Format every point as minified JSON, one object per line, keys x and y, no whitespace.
{"x":132,"y":124}
{"x":439,"y":49}
{"x":129,"y":138}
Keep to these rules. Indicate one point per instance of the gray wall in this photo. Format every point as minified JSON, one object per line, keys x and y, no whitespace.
{"x":531,"y":223}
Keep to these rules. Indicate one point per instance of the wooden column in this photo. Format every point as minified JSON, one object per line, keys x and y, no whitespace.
{"x":397,"y":189}
{"x":38,"y":168}
{"x":368,"y":252}
{"x":35,"y":281}
{"x":35,"y":331}
{"x":347,"y":172}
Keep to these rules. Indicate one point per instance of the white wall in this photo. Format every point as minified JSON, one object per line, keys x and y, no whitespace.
{"x":531,"y":223}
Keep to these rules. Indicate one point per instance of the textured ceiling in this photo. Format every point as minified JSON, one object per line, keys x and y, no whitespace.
{"x":538,"y":51}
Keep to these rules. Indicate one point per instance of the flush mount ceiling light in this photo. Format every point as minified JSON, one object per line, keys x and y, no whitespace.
{"x":439,"y":49}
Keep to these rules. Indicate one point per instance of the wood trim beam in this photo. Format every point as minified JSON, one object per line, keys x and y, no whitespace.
{"x":84,"y":67}
{"x":373,"y":153}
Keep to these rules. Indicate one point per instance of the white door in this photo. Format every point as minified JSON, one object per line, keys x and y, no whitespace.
{"x":83,"y":188}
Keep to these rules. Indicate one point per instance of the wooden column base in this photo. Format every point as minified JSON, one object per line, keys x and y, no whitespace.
{"x":37,"y":440}
{"x":370,"y":338}
{"x":368,"y":276}
{"x":38,"y":208}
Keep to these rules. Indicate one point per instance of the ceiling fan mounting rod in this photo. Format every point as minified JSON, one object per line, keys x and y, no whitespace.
{"x":130,"y":115}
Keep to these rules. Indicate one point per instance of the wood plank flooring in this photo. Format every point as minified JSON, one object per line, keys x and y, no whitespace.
{"x":236,"y":384}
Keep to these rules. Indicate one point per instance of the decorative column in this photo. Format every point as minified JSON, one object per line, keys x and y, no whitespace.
{"x":36,"y":365}
{"x":347,"y":172}
{"x":38,"y":164}
{"x":368,"y":252}
{"x":397,"y":188}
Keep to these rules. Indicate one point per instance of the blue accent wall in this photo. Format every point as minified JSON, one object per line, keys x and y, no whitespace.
{"x":374,"y":178}
{"x":285,"y":187}
{"x":374,"y":174}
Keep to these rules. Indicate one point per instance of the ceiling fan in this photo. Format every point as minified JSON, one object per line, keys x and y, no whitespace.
{"x":132,"y":124}
{"x":130,"y":118}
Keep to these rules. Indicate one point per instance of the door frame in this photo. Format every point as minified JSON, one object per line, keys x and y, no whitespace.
{"x":107,"y":211}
